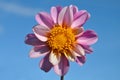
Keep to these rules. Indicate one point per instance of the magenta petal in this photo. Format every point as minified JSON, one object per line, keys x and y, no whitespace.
{"x":81,"y":60}
{"x":44,"y":19}
{"x":62,"y":68}
{"x":42,"y":49}
{"x":31,"y":39}
{"x":87,"y":48}
{"x":39,"y":51}
{"x":80,"y":18}
{"x":78,"y":14}
{"x":45,"y":65}
{"x":54,"y":13}
{"x":41,"y":32}
{"x":87,"y":38}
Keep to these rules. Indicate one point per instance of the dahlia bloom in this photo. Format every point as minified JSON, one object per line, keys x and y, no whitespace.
{"x":61,"y":38}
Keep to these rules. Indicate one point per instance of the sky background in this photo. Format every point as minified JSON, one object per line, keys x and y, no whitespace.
{"x":17,"y":19}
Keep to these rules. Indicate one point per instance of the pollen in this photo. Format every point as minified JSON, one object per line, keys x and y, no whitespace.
{"x":61,"y":39}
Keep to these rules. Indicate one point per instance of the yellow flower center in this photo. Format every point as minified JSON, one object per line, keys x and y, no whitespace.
{"x":61,"y":39}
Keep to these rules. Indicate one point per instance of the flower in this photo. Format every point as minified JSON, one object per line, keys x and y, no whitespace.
{"x":60,"y":37}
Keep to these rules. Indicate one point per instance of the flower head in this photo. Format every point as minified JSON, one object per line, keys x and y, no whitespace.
{"x":60,"y":36}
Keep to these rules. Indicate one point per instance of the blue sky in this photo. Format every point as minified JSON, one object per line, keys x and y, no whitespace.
{"x":17,"y":19}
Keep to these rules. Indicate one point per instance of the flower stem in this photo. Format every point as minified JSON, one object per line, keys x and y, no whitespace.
{"x":62,"y":78}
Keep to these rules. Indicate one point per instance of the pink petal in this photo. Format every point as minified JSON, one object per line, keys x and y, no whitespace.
{"x":45,"y":65}
{"x":87,"y":48}
{"x":31,"y":39}
{"x":81,"y":60}
{"x":62,"y":68}
{"x":54,"y":58}
{"x":78,"y":31}
{"x":41,"y":32}
{"x":54,"y":13}
{"x":44,"y":19}
{"x":87,"y":38}
{"x":68,"y":17}
{"x":69,"y":55}
{"x":78,"y":50}
{"x":61,"y":15}
{"x":80,"y":18}
{"x":38,"y":51}
{"x":74,"y":8}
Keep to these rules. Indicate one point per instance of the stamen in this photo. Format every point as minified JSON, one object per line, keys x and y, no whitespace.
{"x":61,"y":39}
